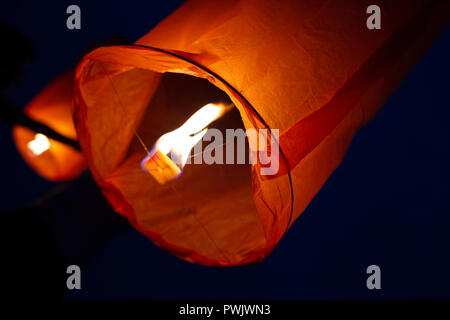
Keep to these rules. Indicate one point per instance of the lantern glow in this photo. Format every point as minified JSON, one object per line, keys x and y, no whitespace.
{"x":179,"y":143}
{"x":308,"y":74}
{"x":39,"y":144}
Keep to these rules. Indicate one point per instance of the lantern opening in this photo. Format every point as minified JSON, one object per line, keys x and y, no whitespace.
{"x":212,"y":213}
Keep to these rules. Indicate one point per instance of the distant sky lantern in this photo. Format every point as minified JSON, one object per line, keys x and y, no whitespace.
{"x":51,"y":159}
{"x":310,"y":70}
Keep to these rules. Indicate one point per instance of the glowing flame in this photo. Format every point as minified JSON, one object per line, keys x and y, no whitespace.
{"x":39,"y":144}
{"x":180,"y":142}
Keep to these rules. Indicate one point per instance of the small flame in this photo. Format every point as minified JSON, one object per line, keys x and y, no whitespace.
{"x":180,"y":141}
{"x":39,"y":144}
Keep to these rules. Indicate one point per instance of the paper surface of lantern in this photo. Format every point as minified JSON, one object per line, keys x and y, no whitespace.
{"x":308,"y":68}
{"x":51,"y":159}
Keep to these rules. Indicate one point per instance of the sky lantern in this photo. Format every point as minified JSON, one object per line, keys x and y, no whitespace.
{"x":53,"y":160}
{"x":305,"y":74}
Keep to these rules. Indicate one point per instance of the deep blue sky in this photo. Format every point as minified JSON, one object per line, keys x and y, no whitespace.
{"x":387,"y":204}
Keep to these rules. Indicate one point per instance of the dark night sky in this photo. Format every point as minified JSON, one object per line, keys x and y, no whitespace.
{"x":387,"y":204}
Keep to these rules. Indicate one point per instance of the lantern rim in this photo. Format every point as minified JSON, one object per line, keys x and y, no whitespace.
{"x":102,"y":55}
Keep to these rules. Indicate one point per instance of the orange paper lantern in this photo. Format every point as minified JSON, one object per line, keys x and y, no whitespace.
{"x":53,"y":160}
{"x":311,"y":69}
